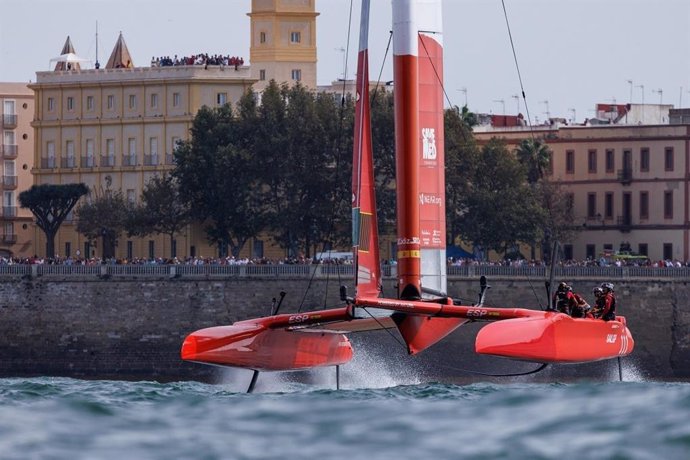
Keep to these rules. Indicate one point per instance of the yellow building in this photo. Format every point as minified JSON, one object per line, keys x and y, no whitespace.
{"x":630,"y":185}
{"x":16,"y":148}
{"x":283,"y":42}
{"x":115,"y":128}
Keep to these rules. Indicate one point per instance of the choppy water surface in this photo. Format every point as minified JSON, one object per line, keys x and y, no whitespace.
{"x":65,"y":418}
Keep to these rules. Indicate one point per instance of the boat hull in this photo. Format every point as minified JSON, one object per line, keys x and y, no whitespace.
{"x":254,"y":346}
{"x":556,"y":338}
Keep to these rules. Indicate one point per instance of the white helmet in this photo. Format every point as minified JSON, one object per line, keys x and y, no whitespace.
{"x":607,"y":287}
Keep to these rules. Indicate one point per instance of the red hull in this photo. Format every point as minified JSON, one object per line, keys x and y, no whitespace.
{"x":555,"y":338}
{"x":253,"y":346}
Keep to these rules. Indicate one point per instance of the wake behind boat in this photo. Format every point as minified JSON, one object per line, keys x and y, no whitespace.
{"x":422,"y":313}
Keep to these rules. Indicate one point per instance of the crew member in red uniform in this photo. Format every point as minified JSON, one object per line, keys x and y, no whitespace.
{"x":608,"y":307}
{"x":570,"y":303}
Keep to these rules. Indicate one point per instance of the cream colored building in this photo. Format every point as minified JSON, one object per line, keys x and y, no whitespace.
{"x":115,"y":128}
{"x":283,"y":42}
{"x":16,"y":148}
{"x":630,"y":184}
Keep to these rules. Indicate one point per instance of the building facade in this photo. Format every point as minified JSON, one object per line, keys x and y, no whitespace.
{"x":115,"y":128}
{"x":630,"y":185}
{"x":283,"y":42}
{"x":16,"y":149}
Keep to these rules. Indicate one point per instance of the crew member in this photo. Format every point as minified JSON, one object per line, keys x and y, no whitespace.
{"x":608,"y":308}
{"x":598,"y":302}
{"x":570,"y":303}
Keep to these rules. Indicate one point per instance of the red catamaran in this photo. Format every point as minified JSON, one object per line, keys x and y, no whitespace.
{"x":422,"y":313}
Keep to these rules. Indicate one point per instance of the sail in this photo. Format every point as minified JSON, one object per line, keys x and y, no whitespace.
{"x":364,"y":224}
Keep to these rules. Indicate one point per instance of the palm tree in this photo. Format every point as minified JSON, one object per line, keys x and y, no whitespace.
{"x":535,"y":156}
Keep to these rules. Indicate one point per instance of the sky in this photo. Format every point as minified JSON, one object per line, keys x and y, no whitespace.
{"x":571,"y":54}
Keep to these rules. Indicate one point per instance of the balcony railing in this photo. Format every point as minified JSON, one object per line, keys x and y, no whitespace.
{"x":151,"y":160}
{"x":87,"y":162}
{"x":625,"y":222}
{"x":625,"y":175}
{"x":107,"y":161}
{"x":9,"y":211}
{"x":9,"y":181}
{"x":10,"y":151}
{"x":69,"y":162}
{"x":48,"y":162}
{"x":9,"y":238}
{"x":129,"y":160}
{"x":9,"y":121}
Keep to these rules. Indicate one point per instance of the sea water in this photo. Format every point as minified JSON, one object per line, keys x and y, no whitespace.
{"x":62,"y":418}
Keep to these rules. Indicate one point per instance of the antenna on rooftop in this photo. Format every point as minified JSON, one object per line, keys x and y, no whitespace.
{"x":98,"y":64}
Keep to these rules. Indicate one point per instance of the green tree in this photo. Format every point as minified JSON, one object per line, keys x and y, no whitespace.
{"x":501,"y":208}
{"x":51,"y":204}
{"x":383,"y":146}
{"x":217,"y":178}
{"x":104,"y":215}
{"x":535,"y":156}
{"x":162,"y":210}
{"x":558,"y":215}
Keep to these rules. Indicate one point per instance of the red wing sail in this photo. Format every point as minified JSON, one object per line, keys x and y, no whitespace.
{"x":364,"y":223}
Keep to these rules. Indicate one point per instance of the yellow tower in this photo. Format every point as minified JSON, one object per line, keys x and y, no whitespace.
{"x":283,"y":42}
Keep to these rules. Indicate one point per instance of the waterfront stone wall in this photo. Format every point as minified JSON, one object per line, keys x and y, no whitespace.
{"x":132,"y":328}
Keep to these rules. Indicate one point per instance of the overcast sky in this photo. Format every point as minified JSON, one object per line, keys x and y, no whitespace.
{"x":572,"y":53}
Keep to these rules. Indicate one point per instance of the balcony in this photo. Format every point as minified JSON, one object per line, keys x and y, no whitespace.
{"x":9,"y":211}
{"x":9,"y":121}
{"x":9,"y":151}
{"x":87,"y":162}
{"x":107,"y":161}
{"x":625,"y":176}
{"x":151,"y":160}
{"x":625,"y":223}
{"x":9,"y":182}
{"x":69,"y":162}
{"x":48,"y":163}
{"x":129,"y":160}
{"x":9,"y":238}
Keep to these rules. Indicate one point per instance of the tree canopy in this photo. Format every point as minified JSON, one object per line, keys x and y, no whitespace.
{"x":104,"y":215}
{"x":51,"y":204}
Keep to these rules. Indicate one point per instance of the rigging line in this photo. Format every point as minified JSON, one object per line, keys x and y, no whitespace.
{"x":541,"y":367}
{"x":384,"y":328}
{"x":438,"y":77}
{"x":529,"y":280}
{"x":383,"y":62}
{"x":522,"y":88}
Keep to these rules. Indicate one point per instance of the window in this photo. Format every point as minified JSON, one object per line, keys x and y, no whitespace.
{"x":549,"y":166}
{"x":608,"y":205}
{"x":668,"y":204}
{"x":69,"y":149}
{"x":130,"y":250}
{"x":110,"y":147}
{"x":644,"y":159}
{"x":643,"y":249}
{"x":50,"y":152}
{"x":258,"y":248}
{"x":132,"y":146}
{"x":70,"y":103}
{"x":9,"y":108}
{"x":592,"y":161}
{"x":296,"y":74}
{"x":668,"y":158}
{"x":262,"y":74}
{"x":154,"y":100}
{"x":153,"y":146}
{"x":568,"y":251}
{"x":89,"y":103}
{"x":176,"y":99}
{"x":262,"y":37}
{"x":152,"y":247}
{"x":131,"y":195}
{"x":9,"y":138}
{"x":110,"y":102}
{"x":132,"y":101}
{"x":89,"y":154}
{"x":668,"y":251}
{"x":644,"y":205}
{"x":295,"y":37}
{"x":221,"y":98}
{"x":610,"y":160}
{"x":591,"y":252}
{"x":51,"y":104}
{"x":87,"y":249}
{"x":173,"y":248}
{"x":591,"y":205}
{"x":570,"y":162}
{"x":68,"y":249}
